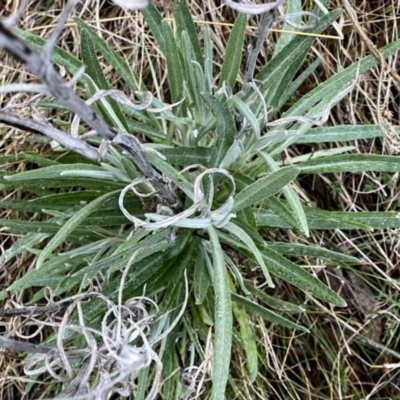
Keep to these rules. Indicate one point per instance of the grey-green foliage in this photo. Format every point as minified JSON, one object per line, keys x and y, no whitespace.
{"x":254,"y":193}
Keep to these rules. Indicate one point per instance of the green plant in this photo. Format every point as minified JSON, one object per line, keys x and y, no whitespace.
{"x":221,"y":185}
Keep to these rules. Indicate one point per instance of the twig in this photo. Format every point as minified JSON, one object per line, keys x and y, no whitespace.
{"x":17,"y":345}
{"x":263,"y":28}
{"x":24,"y":347}
{"x":42,"y":128}
{"x":31,"y":310}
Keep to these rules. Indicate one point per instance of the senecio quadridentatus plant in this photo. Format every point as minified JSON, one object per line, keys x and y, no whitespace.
{"x":208,"y":178}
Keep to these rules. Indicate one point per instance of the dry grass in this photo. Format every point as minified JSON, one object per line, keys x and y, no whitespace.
{"x":351,"y":354}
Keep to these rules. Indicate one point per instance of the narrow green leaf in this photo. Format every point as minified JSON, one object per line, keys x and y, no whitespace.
{"x":41,"y":161}
{"x":223,"y":319}
{"x":58,"y":55}
{"x":246,"y":220}
{"x":339,"y":81}
{"x":343,"y":133}
{"x":38,"y":186}
{"x":232,"y":155}
{"x":201,"y":279}
{"x":70,"y":225}
{"x":297,"y":276}
{"x":298,"y":82}
{"x":351,"y":163}
{"x":143,"y":383}
{"x":273,"y":301}
{"x":321,"y":219}
{"x":246,"y":239}
{"x":48,"y":228}
{"x":24,"y":244}
{"x":91,"y":62}
{"x":288,"y":271}
{"x":93,"y":69}
{"x":233,"y":52}
{"x":208,"y":60}
{"x":264,"y":188}
{"x":281,"y":69}
{"x":52,"y":104}
{"x":143,"y":252}
{"x":225,"y":132}
{"x":167,"y":354}
{"x":194,"y":83}
{"x":184,"y":22}
{"x":186,"y":155}
{"x":292,"y":198}
{"x":12,"y":159}
{"x":248,"y":338}
{"x":154,"y":19}
{"x":53,"y":171}
{"x":282,"y":210}
{"x":121,"y":255}
{"x":27,"y":206}
{"x":174,"y":66}
{"x":246,"y":112}
{"x":146,"y":129}
{"x":176,"y":288}
{"x":242,"y":181}
{"x":101,"y":246}
{"x":55,"y":270}
{"x":155,"y":274}
{"x":306,"y":250}
{"x":193,"y":333}
{"x":64,"y":201}
{"x":292,"y":7}
{"x":268,"y":315}
{"x":237,"y":271}
{"x":120,"y":65}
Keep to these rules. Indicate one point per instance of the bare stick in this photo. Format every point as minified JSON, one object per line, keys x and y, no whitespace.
{"x":25,"y":347}
{"x":42,"y":128}
{"x":262,"y":31}
{"x":52,"y":41}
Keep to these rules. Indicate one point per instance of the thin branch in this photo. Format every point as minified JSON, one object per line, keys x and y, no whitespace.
{"x":13,"y":19}
{"x":45,"y":129}
{"x":26,"y":347}
{"x":52,"y":41}
{"x":262,"y":31}
{"x":31,"y":310}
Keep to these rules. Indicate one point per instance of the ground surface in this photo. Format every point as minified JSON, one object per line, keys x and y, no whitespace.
{"x":351,"y":354}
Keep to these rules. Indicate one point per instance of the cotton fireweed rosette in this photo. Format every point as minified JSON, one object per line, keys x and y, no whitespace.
{"x":133,"y":4}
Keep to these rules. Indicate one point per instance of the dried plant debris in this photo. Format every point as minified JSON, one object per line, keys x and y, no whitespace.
{"x":97,"y":370}
{"x":108,"y":360}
